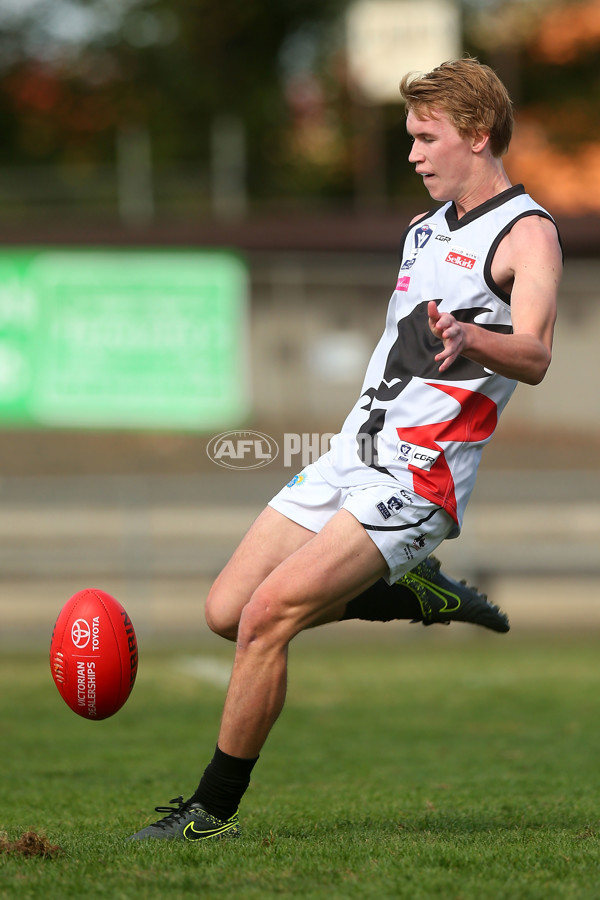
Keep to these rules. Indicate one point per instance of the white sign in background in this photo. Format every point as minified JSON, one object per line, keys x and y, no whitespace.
{"x":387,"y":38}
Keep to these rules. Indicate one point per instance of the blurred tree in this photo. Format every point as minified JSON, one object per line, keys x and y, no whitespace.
{"x":72,"y":72}
{"x":549,"y":55}
{"x":77,"y":75}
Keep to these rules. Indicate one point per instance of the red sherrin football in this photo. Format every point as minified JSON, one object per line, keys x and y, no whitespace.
{"x":93,"y":654}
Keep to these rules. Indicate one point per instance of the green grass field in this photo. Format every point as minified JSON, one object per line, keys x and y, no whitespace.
{"x":452,"y":764}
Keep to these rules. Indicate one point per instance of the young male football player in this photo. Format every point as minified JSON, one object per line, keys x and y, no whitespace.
{"x":473,"y":313}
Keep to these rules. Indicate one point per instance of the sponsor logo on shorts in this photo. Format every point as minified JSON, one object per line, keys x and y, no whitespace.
{"x":403,"y":283}
{"x":415,"y":546}
{"x":390,"y":507}
{"x":386,"y":514}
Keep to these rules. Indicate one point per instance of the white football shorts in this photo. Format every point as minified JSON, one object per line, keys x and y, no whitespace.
{"x":404,"y":526}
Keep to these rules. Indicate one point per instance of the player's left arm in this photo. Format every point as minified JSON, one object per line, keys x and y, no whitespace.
{"x":530,"y":255}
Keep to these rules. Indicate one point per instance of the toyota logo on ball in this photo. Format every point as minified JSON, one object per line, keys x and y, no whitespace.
{"x":80,"y":633}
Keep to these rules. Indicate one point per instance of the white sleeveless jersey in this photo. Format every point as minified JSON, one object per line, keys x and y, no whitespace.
{"x":423,"y":428}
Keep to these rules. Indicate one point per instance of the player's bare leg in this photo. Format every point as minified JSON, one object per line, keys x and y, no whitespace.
{"x":424,"y":595}
{"x":313,"y":584}
{"x":268,"y":542}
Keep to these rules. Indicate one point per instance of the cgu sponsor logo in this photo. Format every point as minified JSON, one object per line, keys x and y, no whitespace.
{"x":242,"y":449}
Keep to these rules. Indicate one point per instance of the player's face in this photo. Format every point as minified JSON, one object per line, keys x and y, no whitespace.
{"x":440,"y":155}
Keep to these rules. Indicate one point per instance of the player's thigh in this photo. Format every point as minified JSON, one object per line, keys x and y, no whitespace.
{"x":313,"y":585}
{"x":270,"y":540}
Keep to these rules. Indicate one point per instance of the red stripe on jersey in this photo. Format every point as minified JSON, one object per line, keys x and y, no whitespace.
{"x":475,"y":422}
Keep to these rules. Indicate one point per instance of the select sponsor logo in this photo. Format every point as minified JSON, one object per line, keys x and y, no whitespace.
{"x":242,"y":449}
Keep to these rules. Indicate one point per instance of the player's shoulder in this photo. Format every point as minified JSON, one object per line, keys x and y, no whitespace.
{"x":535,"y":231}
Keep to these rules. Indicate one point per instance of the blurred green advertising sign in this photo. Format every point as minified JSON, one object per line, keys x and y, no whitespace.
{"x":123,"y":339}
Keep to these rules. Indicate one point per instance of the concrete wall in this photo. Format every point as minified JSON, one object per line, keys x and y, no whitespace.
{"x":316,"y":318}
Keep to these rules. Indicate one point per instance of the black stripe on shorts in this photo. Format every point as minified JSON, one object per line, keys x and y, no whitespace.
{"x":401,"y":527}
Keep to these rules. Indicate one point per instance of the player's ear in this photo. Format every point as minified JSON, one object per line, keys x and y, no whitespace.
{"x":479,"y":142}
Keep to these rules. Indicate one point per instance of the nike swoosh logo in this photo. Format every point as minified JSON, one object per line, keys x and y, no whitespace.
{"x":190,"y":833}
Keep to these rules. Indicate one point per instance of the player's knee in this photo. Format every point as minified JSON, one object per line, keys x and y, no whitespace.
{"x":220,"y":617}
{"x":267,"y":619}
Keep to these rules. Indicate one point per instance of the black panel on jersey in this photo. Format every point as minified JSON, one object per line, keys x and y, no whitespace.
{"x":416,"y":346}
{"x":487,"y":268}
{"x":412,"y":354}
{"x":454,"y":223}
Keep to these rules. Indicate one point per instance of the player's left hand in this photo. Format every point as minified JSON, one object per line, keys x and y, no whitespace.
{"x":450,"y":331}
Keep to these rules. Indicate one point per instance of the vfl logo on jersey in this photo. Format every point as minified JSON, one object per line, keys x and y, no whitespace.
{"x":461,"y":259}
{"x":420,"y":239}
{"x":422,"y":235}
{"x":390,"y":507}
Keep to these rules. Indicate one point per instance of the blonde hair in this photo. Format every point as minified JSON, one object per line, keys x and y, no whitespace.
{"x":469,"y":93}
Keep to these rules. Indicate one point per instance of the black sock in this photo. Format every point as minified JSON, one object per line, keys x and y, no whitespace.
{"x":383,"y":602}
{"x":223,"y":784}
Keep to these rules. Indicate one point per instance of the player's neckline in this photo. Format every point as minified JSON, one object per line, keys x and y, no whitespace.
{"x":454,"y":223}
